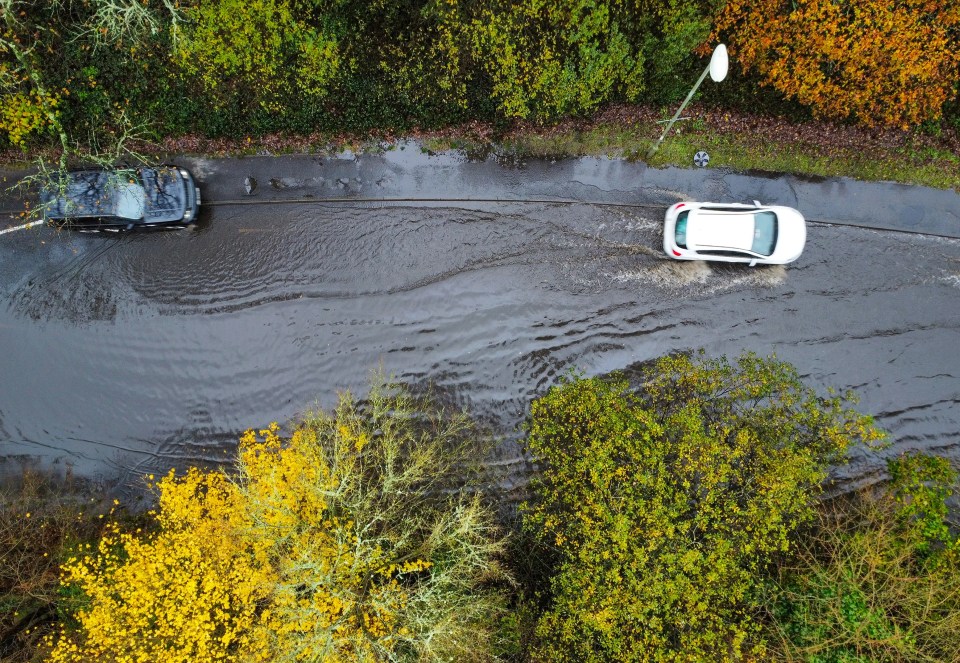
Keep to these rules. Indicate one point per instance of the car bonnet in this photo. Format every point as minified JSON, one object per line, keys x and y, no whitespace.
{"x":791,"y":233}
{"x":166,"y":194}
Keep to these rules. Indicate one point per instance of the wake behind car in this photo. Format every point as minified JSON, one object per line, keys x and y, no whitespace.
{"x":122,"y":199}
{"x":733,"y":232}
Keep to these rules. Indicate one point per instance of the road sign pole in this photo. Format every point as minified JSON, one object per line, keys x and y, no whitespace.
{"x":717,"y":70}
{"x":656,"y":146}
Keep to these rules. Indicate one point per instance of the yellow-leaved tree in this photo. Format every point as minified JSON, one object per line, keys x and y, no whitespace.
{"x":188,"y":592}
{"x":353,"y":540}
{"x":873,"y":61}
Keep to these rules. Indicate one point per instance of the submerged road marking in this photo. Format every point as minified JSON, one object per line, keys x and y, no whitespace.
{"x":552,"y":201}
{"x":314,"y":200}
{"x":21,"y":227}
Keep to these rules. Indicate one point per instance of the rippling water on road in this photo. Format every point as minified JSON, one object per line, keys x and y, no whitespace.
{"x":128,"y":355}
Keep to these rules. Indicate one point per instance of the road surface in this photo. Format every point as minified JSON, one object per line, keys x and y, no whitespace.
{"x":128,"y":355}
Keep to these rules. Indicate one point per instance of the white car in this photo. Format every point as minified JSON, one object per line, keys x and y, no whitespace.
{"x":733,"y":232}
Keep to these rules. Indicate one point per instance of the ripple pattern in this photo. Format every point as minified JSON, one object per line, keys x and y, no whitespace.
{"x":128,"y":356}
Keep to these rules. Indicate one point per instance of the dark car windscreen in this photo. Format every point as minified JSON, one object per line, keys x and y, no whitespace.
{"x":681,"y":234}
{"x":764,"y":233}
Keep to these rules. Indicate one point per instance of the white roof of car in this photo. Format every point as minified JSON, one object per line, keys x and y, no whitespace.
{"x":732,"y":230}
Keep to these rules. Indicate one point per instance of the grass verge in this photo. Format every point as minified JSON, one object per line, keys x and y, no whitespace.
{"x":738,"y":142}
{"x":734,"y":140}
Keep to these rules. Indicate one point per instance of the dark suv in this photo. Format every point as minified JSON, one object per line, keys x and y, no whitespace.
{"x":123,"y":199}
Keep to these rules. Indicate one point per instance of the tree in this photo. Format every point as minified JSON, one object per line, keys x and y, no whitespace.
{"x":187,"y":592}
{"x":41,"y":516}
{"x":261,"y":48}
{"x":546,"y":58}
{"x":873,"y":61}
{"x":31,"y":105}
{"x":353,"y":540}
{"x":663,"y":506}
{"x":29,"y":32}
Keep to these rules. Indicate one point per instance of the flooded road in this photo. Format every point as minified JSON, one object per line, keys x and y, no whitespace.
{"x":124,"y":356}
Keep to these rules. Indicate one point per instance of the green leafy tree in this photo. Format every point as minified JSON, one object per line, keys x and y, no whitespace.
{"x":234,"y":67}
{"x":549,"y":58}
{"x":36,"y":103}
{"x":433,"y":61}
{"x":546,"y":58}
{"x":31,"y":32}
{"x":663,"y":506}
{"x":878,"y":577}
{"x":424,"y":58}
{"x":29,"y":105}
{"x":267,"y":49}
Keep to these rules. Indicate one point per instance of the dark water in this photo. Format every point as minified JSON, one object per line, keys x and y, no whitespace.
{"x":123,"y":356}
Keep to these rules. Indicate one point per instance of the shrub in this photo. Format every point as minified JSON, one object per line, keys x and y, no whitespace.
{"x":878,"y":579}
{"x":664,"y":505}
{"x":23,"y":115}
{"x":42,"y":519}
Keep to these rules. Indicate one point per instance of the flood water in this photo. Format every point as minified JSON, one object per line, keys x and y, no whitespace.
{"x":128,"y":355}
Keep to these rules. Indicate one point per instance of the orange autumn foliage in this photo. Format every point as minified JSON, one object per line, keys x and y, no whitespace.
{"x":877,"y":62}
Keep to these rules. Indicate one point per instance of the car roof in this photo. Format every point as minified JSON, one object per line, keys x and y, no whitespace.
{"x":86,"y":193}
{"x":721,"y":229}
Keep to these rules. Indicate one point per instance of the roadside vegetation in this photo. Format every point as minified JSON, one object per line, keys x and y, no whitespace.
{"x":354,"y":539}
{"x":676,"y":514}
{"x":664,"y":507}
{"x":734,"y":139}
{"x":875,"y":577}
{"x":43,"y":520}
{"x":872,"y":89}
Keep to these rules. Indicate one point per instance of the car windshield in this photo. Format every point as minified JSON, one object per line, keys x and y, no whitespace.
{"x":129,"y":200}
{"x":764,"y":233}
{"x":681,"y":238}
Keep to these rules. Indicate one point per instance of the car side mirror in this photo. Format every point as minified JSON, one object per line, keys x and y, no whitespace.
{"x":753,"y":263}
